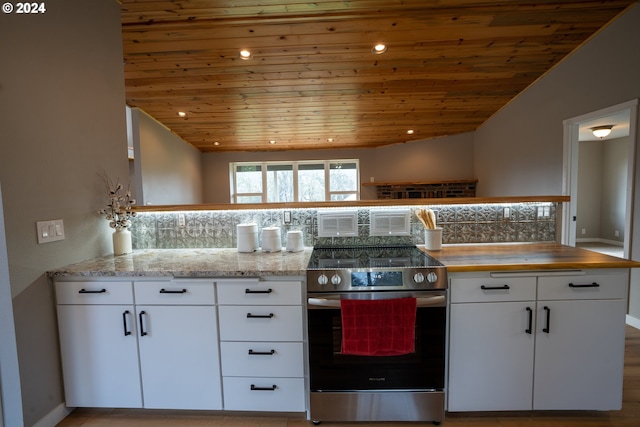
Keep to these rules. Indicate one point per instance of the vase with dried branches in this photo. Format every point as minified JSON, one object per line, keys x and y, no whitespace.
{"x":118,"y":211}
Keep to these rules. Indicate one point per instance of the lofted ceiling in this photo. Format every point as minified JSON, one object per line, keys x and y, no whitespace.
{"x":313,"y":81}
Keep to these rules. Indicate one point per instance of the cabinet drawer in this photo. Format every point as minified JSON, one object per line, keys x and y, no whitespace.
{"x":247,"y":292}
{"x":94,"y":292}
{"x":175,"y":292}
{"x":262,"y":359}
{"x":491,"y":289}
{"x":264,"y":394}
{"x":588,"y":286}
{"x":260,"y":323}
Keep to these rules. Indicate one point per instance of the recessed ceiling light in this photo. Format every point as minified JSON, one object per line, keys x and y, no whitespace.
{"x":379,"y":48}
{"x":272,"y":142}
{"x":216,"y":143}
{"x":245,"y":54}
{"x":182,"y":114}
{"x":410,"y":131}
{"x":329,"y":139}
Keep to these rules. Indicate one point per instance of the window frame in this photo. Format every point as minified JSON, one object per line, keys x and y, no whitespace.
{"x":233,"y":170}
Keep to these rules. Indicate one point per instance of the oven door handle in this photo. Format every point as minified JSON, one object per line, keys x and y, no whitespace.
{"x":335,"y":303}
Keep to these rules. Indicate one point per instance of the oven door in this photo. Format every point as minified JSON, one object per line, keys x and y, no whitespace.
{"x":422,"y":370}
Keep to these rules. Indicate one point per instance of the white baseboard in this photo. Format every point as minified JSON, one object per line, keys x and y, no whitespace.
{"x":54,"y":417}
{"x":632,"y":321}
{"x":599,"y":240}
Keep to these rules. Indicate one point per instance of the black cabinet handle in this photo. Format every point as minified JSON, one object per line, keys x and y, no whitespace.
{"x":127,"y":332}
{"x":548,"y":310}
{"x":259,"y":316}
{"x":142,"y":331}
{"x":249,"y":291}
{"x":587,"y":285}
{"x":84,"y":291}
{"x":272,"y":388}
{"x":262,"y":353}
{"x":164,"y":291}
{"x":494,"y":288}
{"x":530,"y":312}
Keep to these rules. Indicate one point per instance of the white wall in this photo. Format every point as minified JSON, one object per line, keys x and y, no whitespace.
{"x":602,"y":181}
{"x":426,"y":160}
{"x":167,"y":170}
{"x":63,"y":120}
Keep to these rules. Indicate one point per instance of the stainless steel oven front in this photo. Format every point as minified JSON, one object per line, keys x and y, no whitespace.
{"x":345,"y":387}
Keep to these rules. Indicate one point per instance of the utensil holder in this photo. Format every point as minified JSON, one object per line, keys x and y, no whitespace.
{"x":433,"y":239}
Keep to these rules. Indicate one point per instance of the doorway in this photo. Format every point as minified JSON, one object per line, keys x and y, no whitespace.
{"x":600,"y":181}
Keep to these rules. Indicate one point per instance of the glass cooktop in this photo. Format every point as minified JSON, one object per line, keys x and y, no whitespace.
{"x":351,"y":257}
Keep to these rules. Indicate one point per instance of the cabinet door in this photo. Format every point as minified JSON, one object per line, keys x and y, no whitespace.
{"x":99,"y":356}
{"x":491,"y":356}
{"x":179,"y":357}
{"x":579,"y":361}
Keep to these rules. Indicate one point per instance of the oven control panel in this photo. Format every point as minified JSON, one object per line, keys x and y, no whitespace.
{"x":354,"y":280}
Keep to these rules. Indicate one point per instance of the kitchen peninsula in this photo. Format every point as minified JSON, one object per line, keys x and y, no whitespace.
{"x":493,"y":326}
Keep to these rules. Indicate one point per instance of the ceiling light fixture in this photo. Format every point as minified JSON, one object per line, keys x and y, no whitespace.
{"x":601,"y":131}
{"x":410,"y":131}
{"x":216,"y":143}
{"x":329,"y":139}
{"x":272,"y":142}
{"x":245,"y":54}
{"x":182,"y":114}
{"x":379,"y":48}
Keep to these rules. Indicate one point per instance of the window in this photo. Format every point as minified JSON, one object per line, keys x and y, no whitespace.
{"x":301,"y":181}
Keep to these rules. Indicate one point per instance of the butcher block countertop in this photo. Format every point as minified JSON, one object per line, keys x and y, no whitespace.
{"x":523,"y":256}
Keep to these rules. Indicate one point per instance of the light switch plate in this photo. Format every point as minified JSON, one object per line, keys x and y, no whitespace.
{"x":50,"y":231}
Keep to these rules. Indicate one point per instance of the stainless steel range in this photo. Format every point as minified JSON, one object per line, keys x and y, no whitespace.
{"x":403,"y":384}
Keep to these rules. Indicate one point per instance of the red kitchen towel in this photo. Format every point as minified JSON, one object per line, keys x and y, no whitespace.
{"x":378,"y":327}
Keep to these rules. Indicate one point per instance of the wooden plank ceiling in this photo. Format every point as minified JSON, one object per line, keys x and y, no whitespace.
{"x":313,"y":81}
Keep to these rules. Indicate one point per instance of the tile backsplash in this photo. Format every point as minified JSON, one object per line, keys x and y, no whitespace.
{"x":461,"y":223}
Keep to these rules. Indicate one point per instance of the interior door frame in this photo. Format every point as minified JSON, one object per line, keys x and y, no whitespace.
{"x":570,"y":171}
{"x":10,"y":389}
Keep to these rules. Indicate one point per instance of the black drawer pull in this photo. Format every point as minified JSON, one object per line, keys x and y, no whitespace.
{"x":587,"y":285}
{"x":262,"y":353}
{"x":548,"y":310}
{"x":127,"y":332}
{"x":142,"y":331}
{"x":495,"y":288}
{"x":259,"y":316}
{"x":249,"y":291}
{"x":164,"y":291}
{"x":272,"y":388}
{"x":530,"y":312}
{"x":84,"y":291}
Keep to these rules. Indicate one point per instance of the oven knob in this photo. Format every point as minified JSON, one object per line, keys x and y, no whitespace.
{"x":432,"y":277}
{"x":335,"y":279}
{"x":418,"y":277}
{"x":323,"y":279}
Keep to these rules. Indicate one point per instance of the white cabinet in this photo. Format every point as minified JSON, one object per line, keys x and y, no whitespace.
{"x":161,"y":352}
{"x":580,"y":342}
{"x":261,"y":344}
{"x":178,"y":344}
{"x":97,"y":329}
{"x":491,"y":344}
{"x":551,"y":341}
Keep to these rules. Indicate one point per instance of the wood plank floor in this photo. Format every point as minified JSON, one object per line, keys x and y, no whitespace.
{"x":629,"y":416}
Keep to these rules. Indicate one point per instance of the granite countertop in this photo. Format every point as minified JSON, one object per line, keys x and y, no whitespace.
{"x":225,"y":262}
{"x":523,"y":256}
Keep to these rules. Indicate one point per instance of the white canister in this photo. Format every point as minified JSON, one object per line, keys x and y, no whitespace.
{"x":433,"y":239}
{"x":294,"y":241}
{"x":271,"y":241}
{"x":247,"y":235}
